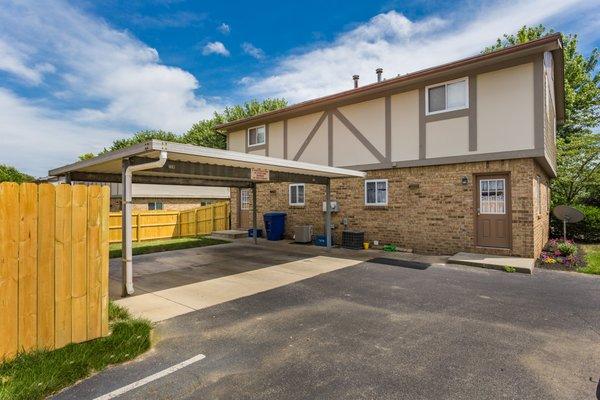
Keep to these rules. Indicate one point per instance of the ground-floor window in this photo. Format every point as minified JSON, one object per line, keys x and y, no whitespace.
{"x":376,"y":192}
{"x":155,"y":205}
{"x":296,"y":194}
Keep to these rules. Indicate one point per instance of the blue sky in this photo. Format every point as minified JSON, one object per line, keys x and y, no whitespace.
{"x":76,"y":75}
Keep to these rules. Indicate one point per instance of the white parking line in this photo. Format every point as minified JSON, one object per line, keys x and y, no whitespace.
{"x":150,"y":378}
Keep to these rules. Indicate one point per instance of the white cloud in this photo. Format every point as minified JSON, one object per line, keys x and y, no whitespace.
{"x":35,"y":139}
{"x":398,"y":45}
{"x":104,"y":82}
{"x":215,"y":48}
{"x":253,"y":51}
{"x":224,"y":28}
{"x":15,"y":60}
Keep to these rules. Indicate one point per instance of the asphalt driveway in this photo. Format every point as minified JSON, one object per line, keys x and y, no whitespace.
{"x":380,"y":330}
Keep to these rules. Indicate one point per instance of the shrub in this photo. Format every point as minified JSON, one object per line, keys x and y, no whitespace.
{"x":587,"y":230}
{"x":566,"y":248}
{"x":566,"y":255}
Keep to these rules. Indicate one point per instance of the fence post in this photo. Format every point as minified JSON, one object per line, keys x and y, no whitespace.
{"x":212,"y":219}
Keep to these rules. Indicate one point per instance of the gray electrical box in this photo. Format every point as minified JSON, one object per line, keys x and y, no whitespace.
{"x":335,"y":207}
{"x":303,"y":233}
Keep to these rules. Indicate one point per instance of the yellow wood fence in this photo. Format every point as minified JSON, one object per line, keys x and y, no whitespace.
{"x":152,"y":225}
{"x":53,"y":265}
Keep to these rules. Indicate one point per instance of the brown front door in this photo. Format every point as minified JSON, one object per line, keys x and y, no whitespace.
{"x":245,"y":208}
{"x":493,"y":209}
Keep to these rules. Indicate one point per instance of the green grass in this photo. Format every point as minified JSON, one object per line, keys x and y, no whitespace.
{"x":38,"y":374}
{"x":155,"y":246}
{"x":592,"y":257}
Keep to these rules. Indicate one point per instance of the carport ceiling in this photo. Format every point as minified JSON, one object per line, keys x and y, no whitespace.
{"x":198,"y":166}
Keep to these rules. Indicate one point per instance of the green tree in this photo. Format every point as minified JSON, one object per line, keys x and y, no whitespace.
{"x":578,"y":143}
{"x":11,"y":174}
{"x":203,"y":133}
{"x":582,"y":79}
{"x":141,"y":137}
{"x":86,"y":156}
{"x":578,"y":172}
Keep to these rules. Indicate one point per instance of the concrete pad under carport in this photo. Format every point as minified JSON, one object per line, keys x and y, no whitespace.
{"x":158,"y":305}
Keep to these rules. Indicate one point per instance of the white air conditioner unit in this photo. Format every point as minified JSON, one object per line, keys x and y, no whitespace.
{"x":303,"y":233}
{"x":335,"y":207}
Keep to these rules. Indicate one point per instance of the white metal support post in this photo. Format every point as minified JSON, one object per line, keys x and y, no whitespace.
{"x":254,"y":220}
{"x":126,"y":232}
{"x":328,"y":213}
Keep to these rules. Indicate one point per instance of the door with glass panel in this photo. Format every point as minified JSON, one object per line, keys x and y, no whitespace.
{"x":493,"y":211}
{"x":245,"y":208}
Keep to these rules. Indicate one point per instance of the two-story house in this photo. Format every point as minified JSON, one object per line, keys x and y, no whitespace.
{"x":458,"y":157}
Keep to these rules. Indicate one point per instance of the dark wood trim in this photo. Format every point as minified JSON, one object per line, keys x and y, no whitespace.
{"x":503,"y":155}
{"x":330,"y":139}
{"x":285,"y":139}
{"x":267,"y":139}
{"x":311,"y":134}
{"x":473,"y":113}
{"x":538,"y":102}
{"x":422,"y":127}
{"x":441,"y":116}
{"x":388,"y":128}
{"x":365,"y":142}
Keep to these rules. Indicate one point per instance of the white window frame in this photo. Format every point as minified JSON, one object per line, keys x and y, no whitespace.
{"x":445,"y":84}
{"x":248,"y":136}
{"x":245,"y":203}
{"x":504,"y":193}
{"x":162,"y":206}
{"x":387,"y":193}
{"x":303,"y":194}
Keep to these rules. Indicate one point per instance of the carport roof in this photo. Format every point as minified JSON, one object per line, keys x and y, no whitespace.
{"x":195,"y":165}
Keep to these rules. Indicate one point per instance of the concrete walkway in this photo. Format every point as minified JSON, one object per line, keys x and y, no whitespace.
{"x":163,"y":304}
{"x":524,"y":265}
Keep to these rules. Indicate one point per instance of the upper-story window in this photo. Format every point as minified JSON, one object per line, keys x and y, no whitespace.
{"x":256,"y":135}
{"x":447,"y":96}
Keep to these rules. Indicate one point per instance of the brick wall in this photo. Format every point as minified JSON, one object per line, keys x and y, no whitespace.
{"x":541,"y":210}
{"x":435,"y":215}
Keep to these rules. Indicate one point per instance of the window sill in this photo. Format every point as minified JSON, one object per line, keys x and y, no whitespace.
{"x":296,"y":206}
{"x":376,"y":207}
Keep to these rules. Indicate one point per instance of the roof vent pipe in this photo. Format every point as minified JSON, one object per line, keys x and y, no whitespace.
{"x":355,"y":77}
{"x":379,"y":71}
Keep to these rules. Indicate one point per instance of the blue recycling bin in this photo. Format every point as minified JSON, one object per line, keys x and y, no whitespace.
{"x":275,"y":225}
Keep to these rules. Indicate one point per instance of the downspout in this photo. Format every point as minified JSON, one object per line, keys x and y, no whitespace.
{"x":127,"y":256}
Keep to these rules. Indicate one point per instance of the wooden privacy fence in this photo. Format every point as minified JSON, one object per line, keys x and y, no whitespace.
{"x":152,"y":225}
{"x":53,"y":265}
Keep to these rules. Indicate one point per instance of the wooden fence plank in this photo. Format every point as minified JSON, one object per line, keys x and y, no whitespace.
{"x":45,"y":286}
{"x":79,"y":264}
{"x":104,"y":238}
{"x":28,"y":266}
{"x":94,"y":262}
{"x":152,"y":225}
{"x":9,"y":268}
{"x":62,"y":266}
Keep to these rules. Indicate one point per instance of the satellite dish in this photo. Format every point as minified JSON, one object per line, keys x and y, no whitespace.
{"x":568,"y":215}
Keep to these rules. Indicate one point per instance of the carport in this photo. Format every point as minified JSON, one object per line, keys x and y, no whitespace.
{"x":168,"y":163}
